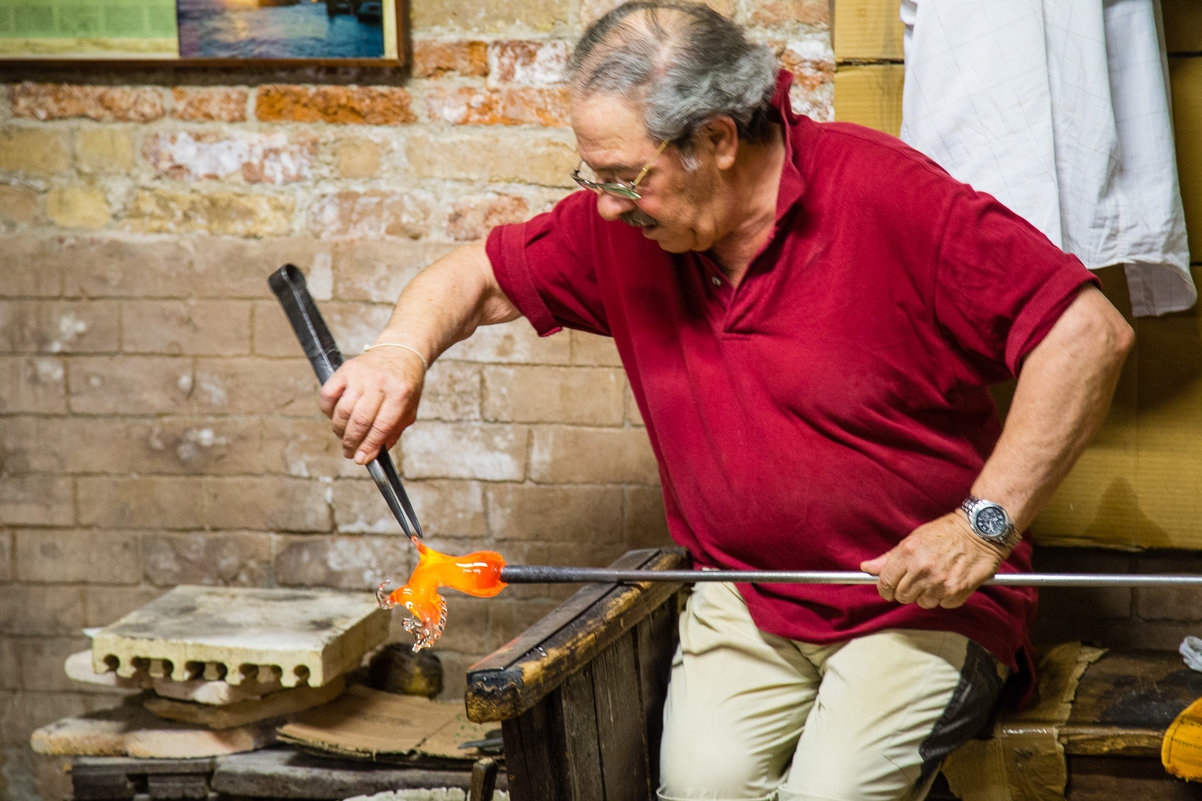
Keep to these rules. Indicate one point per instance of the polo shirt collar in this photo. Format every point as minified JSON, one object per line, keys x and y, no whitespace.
{"x":792,"y":185}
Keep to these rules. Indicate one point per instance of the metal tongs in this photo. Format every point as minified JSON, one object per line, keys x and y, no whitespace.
{"x":288,"y":284}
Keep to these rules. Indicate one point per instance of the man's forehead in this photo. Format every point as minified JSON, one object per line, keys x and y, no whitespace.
{"x":609,"y":131}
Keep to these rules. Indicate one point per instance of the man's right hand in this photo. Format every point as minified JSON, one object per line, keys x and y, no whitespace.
{"x":371,"y":399}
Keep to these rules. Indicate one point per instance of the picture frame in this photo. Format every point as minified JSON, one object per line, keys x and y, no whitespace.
{"x":204,"y":32}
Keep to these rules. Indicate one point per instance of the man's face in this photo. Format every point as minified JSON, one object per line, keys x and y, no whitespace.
{"x":675,"y":207}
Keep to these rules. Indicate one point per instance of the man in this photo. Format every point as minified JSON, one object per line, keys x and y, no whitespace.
{"x":809,"y":316}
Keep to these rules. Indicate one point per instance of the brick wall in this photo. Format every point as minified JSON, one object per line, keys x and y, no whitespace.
{"x":157,"y":423}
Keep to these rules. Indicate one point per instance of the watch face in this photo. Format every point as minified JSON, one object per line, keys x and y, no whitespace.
{"x":991,"y":521}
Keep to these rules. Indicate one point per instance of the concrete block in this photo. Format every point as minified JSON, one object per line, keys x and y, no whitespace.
{"x":174,"y":327}
{"x":32,"y":325}
{"x":538,"y":394}
{"x":66,"y":555}
{"x":298,"y":636}
{"x":452,"y":392}
{"x":618,"y":455}
{"x":250,"y":386}
{"x":33,"y":385}
{"x":352,"y":563}
{"x":149,"y":385}
{"x":78,"y":667}
{"x":451,"y":450}
{"x":18,"y":205}
{"x":120,"y":267}
{"x":270,"y":502}
{"x":6,"y":556}
{"x":535,"y":513}
{"x":237,"y":558}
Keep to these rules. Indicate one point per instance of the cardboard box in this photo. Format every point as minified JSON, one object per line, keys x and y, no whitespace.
{"x":867,"y":29}
{"x":870,"y":95}
{"x":370,"y":724}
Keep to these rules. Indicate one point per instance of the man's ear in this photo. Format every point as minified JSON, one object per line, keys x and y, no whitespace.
{"x":721,"y":134}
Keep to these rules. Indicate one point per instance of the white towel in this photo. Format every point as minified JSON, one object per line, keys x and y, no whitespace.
{"x":1061,"y":110}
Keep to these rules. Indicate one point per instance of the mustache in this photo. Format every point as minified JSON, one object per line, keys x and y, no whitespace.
{"x":638,"y":218}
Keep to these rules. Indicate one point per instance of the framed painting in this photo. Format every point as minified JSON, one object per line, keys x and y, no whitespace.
{"x":203,"y":31}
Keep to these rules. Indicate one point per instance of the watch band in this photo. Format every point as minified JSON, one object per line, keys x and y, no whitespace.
{"x":973,"y":506}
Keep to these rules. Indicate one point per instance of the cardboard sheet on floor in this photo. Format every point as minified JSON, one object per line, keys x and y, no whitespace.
{"x":1023,"y":760}
{"x":370,"y":724}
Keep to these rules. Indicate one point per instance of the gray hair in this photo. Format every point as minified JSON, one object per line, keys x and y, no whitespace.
{"x":686,"y":62}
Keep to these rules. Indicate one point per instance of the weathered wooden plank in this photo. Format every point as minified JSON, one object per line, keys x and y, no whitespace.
{"x":582,"y":751}
{"x":1107,"y":779}
{"x":114,"y":778}
{"x":515,"y":677}
{"x":282,"y":773}
{"x":1126,"y":701}
{"x":620,"y":725}
{"x":533,"y":753}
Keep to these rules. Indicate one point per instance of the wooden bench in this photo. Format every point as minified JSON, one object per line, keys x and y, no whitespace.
{"x":580,"y":694}
{"x":579,"y":697}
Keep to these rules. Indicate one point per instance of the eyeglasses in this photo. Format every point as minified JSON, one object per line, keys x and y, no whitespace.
{"x":622,"y":189}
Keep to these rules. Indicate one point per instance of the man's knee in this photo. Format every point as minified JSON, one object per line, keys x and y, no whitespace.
{"x":711,"y":767}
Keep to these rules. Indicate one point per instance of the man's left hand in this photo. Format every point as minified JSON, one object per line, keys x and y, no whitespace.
{"x":940,"y":563}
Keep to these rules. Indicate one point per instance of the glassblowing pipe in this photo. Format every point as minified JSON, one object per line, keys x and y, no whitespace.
{"x":549,"y":574}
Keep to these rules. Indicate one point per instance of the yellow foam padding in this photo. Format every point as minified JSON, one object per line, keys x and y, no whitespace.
{"x":1181,"y":749}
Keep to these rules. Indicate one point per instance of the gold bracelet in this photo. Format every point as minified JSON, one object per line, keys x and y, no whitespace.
{"x":409,"y":348}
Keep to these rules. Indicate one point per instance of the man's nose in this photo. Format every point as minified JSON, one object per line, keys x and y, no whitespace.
{"x":612,"y":207}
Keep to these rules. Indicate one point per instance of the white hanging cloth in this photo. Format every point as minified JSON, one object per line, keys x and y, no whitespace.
{"x":1060,"y":109}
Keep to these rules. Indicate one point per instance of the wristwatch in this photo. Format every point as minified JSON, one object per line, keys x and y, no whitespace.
{"x":990,"y":522}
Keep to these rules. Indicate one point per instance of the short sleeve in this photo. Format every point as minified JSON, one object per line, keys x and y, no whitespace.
{"x":1001,"y":284}
{"x":547,"y":268}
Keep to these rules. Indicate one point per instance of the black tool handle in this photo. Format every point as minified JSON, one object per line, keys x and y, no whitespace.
{"x":288,"y":284}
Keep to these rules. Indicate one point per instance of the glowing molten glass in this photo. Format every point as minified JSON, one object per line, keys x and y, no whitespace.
{"x":477,"y":573}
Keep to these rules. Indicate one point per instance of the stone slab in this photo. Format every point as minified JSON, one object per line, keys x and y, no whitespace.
{"x":238,"y":634}
{"x":79,"y":668}
{"x":130,"y":730}
{"x":269,"y":707}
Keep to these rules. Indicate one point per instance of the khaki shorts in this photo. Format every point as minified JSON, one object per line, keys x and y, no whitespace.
{"x":751,"y":715}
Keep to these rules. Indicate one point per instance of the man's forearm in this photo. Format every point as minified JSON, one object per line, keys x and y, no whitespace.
{"x":1061,"y":398}
{"x":372,"y":398}
{"x":447,"y":302}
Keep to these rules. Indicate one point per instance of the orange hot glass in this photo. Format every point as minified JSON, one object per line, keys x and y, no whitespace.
{"x":477,"y":573}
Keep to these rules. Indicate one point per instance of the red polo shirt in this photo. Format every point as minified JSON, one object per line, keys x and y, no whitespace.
{"x":837,"y":399}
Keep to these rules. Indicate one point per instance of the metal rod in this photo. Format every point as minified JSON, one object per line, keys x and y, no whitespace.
{"x":551,"y":574}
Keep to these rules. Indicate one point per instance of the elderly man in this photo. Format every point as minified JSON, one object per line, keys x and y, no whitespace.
{"x":809,"y":315}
